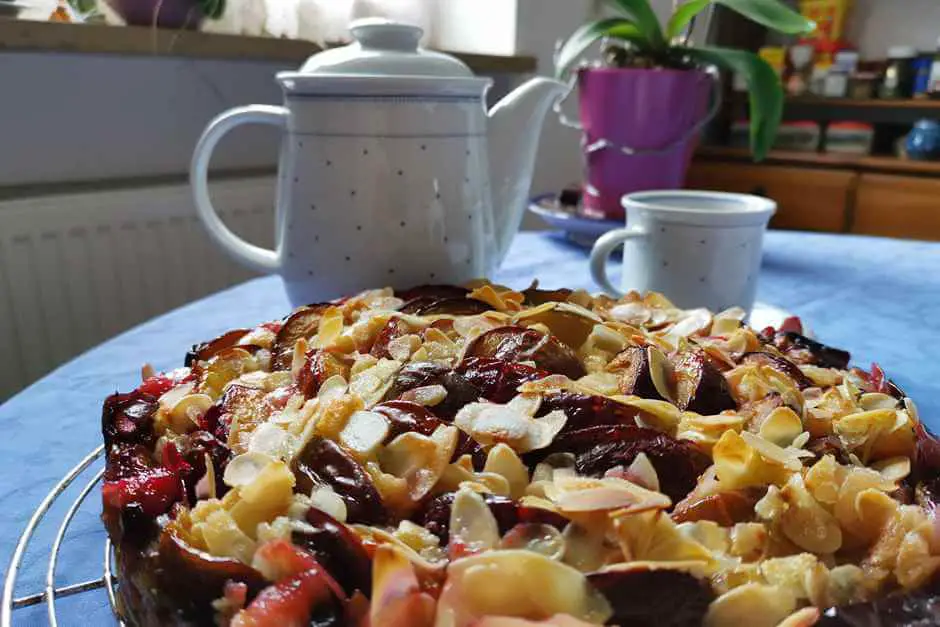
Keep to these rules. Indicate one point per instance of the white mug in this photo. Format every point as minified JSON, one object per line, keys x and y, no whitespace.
{"x":699,"y":249}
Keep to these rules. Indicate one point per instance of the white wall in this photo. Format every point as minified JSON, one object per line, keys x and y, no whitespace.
{"x":877,"y":24}
{"x":66,"y":117}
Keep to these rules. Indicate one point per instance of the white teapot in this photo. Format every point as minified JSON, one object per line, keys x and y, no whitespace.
{"x":391,"y":170}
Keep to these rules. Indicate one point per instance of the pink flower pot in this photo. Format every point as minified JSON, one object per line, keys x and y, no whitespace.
{"x":178,"y":14}
{"x":640,"y":109}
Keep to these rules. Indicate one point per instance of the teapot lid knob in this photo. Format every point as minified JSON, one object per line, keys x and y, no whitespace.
{"x":384,"y":48}
{"x":382,"y":34}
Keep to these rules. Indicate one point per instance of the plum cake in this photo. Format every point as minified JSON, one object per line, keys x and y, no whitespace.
{"x":451,"y":456}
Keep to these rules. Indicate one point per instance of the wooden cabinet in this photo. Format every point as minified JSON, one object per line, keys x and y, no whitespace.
{"x":807,"y":199}
{"x":897,"y":206}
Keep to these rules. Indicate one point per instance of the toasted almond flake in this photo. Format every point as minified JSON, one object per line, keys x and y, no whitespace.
{"x":782,"y":426}
{"x":602,"y":383}
{"x":501,"y":300}
{"x":536,"y":537}
{"x":325,"y":499}
{"x":333,"y":388}
{"x":270,"y":440}
{"x":642,"y":473}
{"x":805,"y":617}
{"x":525,"y":404}
{"x":752,"y":604}
{"x":472,"y":524}
{"x":419,"y":460}
{"x":397,"y":597}
{"x":185,"y":413}
{"x":206,"y":486}
{"x":581,"y":494}
{"x":894,"y":468}
{"x":172,"y":396}
{"x":660,"y":415}
{"x":427,"y":395}
{"x":503,"y":461}
{"x":371,"y":384}
{"x":876,"y":400}
{"x":401,"y":348}
{"x":631,"y":313}
{"x":245,"y":468}
{"x":662,"y":374}
{"x":805,"y":522}
{"x":517,"y":583}
{"x":329,"y":330}
{"x":299,"y":357}
{"x":364,"y":433}
{"x":692,"y":322}
{"x":787,"y":458}
{"x":489,"y":424}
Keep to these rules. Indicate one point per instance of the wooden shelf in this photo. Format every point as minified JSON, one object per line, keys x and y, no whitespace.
{"x":912,"y":103}
{"x":27,"y":36}
{"x":829,"y":160}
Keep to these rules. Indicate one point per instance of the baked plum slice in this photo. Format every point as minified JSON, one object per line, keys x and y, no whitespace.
{"x":438,"y":292}
{"x":826,"y":445}
{"x":678,"y":463}
{"x":644,"y":372}
{"x":394,"y":328}
{"x":319,"y":366}
{"x":434,"y":515}
{"x":194,"y":578}
{"x":337,"y":549}
{"x":585,"y":411}
{"x":919,"y":608}
{"x":497,"y":380}
{"x":725,"y":508}
{"x":128,"y":418}
{"x":802,"y":350}
{"x":429,"y":306}
{"x":534,"y":296}
{"x":512,"y":343}
{"x":302,"y":323}
{"x":460,"y":391}
{"x":405,"y":416}
{"x":323,"y":462}
{"x":194,"y":449}
{"x":780,"y":364}
{"x":645,"y":597}
{"x":700,"y":387}
{"x":207,"y":350}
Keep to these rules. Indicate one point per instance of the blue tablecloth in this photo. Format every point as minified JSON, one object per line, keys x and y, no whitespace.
{"x":879,"y":298}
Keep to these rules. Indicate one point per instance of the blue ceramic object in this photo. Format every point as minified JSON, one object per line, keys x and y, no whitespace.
{"x":923,"y":142}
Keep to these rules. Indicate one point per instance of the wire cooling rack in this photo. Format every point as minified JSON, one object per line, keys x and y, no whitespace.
{"x":50,"y":592}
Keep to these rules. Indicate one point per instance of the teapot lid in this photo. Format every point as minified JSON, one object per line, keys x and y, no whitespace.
{"x":385,"y":48}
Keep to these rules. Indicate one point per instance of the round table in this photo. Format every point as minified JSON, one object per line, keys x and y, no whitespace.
{"x":878,"y":298}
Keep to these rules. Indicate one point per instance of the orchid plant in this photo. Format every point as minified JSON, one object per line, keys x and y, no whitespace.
{"x":635,"y":38}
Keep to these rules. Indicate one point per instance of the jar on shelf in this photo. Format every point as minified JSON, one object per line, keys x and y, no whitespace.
{"x":900,"y":74}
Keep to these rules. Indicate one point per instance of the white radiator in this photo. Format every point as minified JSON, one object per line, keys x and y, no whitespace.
{"x":77,"y":269}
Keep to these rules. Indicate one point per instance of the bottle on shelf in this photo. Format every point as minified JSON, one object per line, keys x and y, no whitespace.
{"x":933,"y":85}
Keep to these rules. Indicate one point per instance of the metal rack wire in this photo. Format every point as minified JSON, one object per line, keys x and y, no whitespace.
{"x":50,"y":592}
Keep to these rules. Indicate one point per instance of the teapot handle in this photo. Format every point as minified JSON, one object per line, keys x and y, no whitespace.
{"x":255,"y":257}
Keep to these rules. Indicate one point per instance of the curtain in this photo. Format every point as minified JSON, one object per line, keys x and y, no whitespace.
{"x":322,"y":21}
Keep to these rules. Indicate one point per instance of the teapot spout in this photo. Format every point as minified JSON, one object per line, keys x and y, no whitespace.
{"x":513,"y":130}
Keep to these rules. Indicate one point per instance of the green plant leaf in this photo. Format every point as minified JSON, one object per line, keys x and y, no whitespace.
{"x":766,"y":93}
{"x":770,"y":13}
{"x":640,"y":13}
{"x":212,"y":9}
{"x":581,"y":39}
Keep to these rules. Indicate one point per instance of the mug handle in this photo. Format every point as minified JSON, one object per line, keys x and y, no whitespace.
{"x":255,"y":257}
{"x":602,"y":250}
